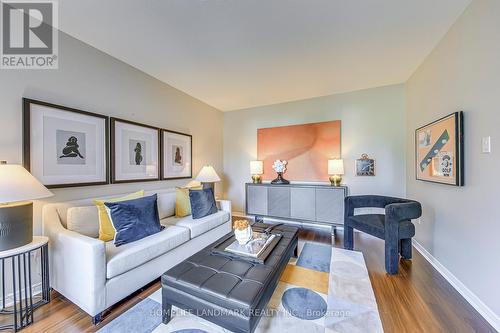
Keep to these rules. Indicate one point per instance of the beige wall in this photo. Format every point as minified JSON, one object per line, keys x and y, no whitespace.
{"x":373,"y":122}
{"x":460,"y":226}
{"x":91,"y":80}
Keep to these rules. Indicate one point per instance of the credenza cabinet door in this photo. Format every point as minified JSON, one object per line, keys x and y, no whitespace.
{"x":279,"y":201}
{"x":303,"y":203}
{"x":330,"y":205}
{"x":257,"y":200}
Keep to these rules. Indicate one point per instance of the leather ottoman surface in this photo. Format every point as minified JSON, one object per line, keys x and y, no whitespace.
{"x":232,"y":293}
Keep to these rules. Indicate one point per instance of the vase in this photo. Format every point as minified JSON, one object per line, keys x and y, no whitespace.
{"x":280,"y":180}
{"x":243,"y":236}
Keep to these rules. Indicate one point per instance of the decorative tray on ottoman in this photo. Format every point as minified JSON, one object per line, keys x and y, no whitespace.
{"x":256,"y":250}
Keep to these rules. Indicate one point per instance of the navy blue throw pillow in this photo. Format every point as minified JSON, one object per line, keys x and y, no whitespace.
{"x":134,"y":219}
{"x":202,"y":203}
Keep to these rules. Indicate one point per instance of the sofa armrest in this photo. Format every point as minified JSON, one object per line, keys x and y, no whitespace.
{"x":77,"y":264}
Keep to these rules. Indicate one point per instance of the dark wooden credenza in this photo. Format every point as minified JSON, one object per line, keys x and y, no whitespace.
{"x":309,"y":203}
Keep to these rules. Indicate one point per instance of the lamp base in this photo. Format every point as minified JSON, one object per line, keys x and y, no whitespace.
{"x":16,"y":225}
{"x":256,"y":179}
{"x":335,"y":180}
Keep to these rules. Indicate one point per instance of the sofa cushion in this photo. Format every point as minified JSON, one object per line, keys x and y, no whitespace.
{"x":106,"y":230}
{"x":84,"y":220}
{"x":182,"y":202}
{"x":135,"y":219}
{"x":202,"y":203}
{"x":166,"y":204}
{"x":199,"y":226}
{"x":129,"y":256}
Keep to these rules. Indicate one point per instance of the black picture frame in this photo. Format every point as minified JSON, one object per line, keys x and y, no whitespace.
{"x":27,"y":122}
{"x":163,"y":162}
{"x":459,"y":149}
{"x":113,"y":121}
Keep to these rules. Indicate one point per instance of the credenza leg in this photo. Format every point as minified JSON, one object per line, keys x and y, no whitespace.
{"x":334,"y":231}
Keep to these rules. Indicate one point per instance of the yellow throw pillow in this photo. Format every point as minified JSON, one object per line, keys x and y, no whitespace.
{"x":182,"y":202}
{"x":106,"y":229}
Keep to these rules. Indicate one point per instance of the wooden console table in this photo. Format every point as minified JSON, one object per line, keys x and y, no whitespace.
{"x":309,"y":203}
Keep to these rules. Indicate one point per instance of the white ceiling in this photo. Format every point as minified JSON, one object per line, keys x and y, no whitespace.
{"x":235,"y":54}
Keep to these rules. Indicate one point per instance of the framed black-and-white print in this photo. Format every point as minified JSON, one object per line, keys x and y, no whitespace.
{"x":65,"y":147}
{"x":177,"y":155}
{"x":365,"y":166}
{"x":135,"y":152}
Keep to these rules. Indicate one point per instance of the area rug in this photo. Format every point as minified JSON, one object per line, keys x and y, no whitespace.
{"x":325,"y":290}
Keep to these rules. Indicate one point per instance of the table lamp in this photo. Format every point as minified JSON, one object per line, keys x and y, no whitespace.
{"x":17,"y":186}
{"x":256,"y":169}
{"x":208,"y":177}
{"x":336,"y":170}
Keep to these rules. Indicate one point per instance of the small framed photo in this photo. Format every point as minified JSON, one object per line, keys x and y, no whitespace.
{"x":365,"y":166}
{"x":439,"y":151}
{"x":65,"y":147}
{"x":135,"y":152}
{"x":177,"y":155}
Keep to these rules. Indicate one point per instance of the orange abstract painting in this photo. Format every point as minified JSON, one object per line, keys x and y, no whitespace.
{"x":307,"y":148}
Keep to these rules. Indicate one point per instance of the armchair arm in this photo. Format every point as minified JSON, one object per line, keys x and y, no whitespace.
{"x":363,"y":201}
{"x":77,"y":264}
{"x":378,"y":201}
{"x":403,"y":211}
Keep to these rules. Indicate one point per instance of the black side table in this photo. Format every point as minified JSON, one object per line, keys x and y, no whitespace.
{"x":16,"y":263}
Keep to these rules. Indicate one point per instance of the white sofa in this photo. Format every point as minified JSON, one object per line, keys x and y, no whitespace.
{"x":95,"y":275}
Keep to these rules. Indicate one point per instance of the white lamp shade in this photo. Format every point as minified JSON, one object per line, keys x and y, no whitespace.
{"x":336,"y":167}
{"x":17,"y":184}
{"x":208,"y":175}
{"x":256,"y":167}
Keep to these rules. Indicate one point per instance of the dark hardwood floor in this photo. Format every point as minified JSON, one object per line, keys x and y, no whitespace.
{"x":418,"y":299}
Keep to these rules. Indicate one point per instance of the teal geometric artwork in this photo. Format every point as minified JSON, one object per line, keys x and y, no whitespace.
{"x":443,"y":139}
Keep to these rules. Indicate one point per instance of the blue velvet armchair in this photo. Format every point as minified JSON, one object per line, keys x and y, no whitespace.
{"x":395,"y":227}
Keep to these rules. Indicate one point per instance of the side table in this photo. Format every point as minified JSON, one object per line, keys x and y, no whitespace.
{"x":16,"y":264}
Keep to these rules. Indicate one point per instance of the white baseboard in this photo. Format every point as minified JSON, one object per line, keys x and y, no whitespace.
{"x":488,"y":314}
{"x":9,"y":298}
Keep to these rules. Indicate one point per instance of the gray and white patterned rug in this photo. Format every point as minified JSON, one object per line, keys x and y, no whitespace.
{"x":326,"y":290}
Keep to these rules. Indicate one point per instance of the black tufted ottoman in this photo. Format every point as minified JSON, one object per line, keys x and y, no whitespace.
{"x":232,"y":293}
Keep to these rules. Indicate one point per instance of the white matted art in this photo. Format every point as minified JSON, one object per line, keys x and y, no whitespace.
{"x":135,"y":152}
{"x":65,"y":147}
{"x":177,"y":155}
